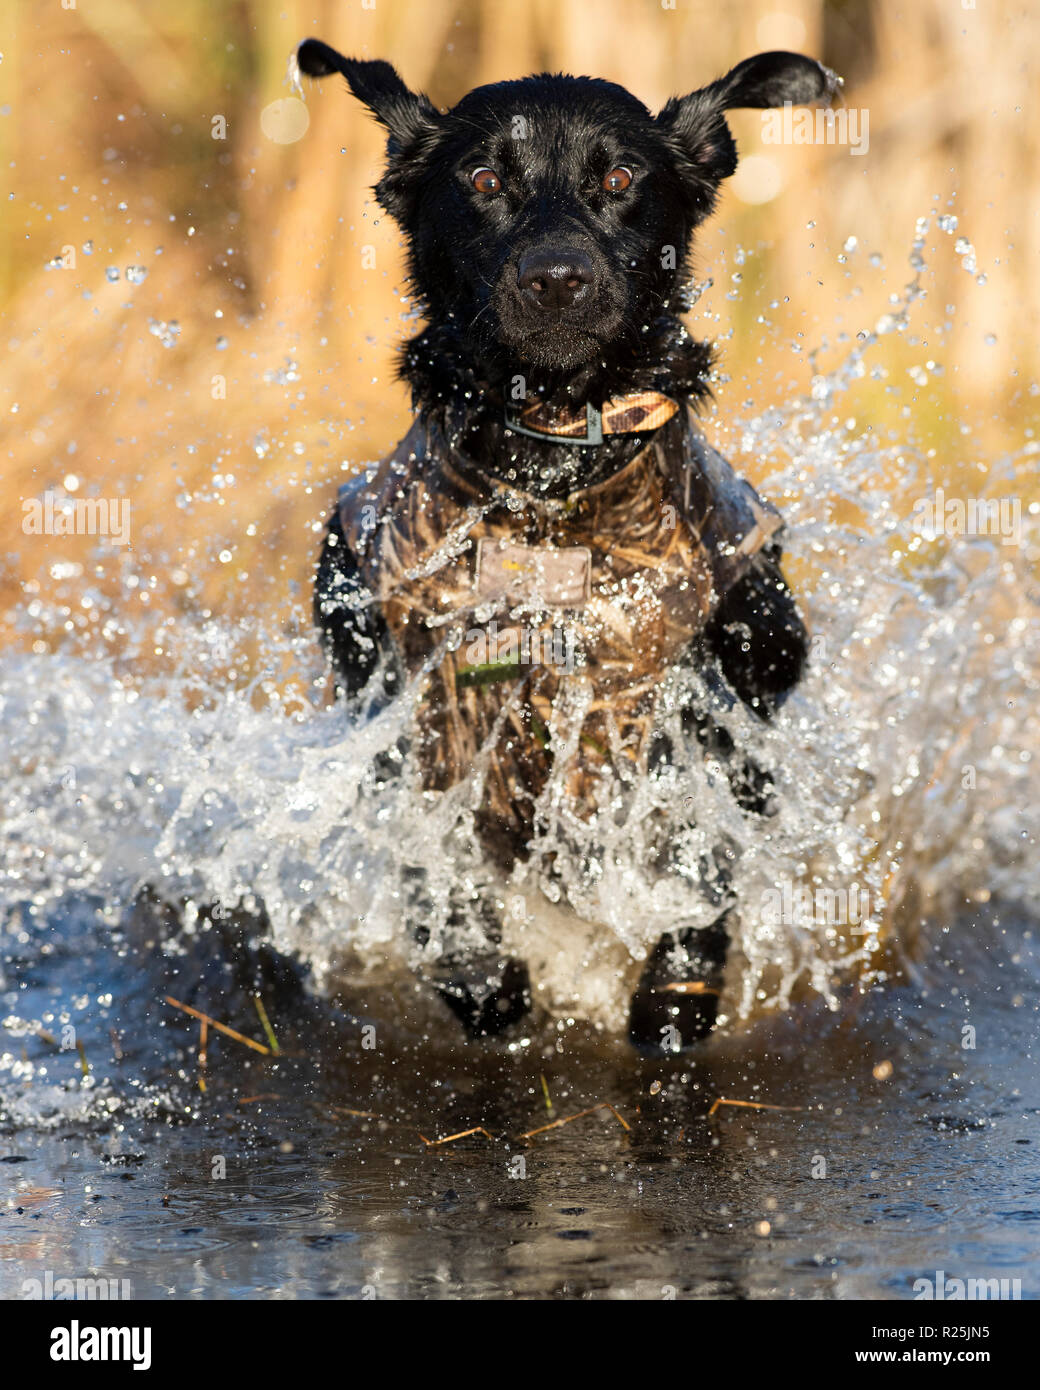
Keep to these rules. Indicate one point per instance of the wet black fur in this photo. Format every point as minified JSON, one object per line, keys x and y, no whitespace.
{"x":552,"y":139}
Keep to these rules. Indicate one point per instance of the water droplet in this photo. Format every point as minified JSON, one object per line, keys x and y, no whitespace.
{"x":167,"y":333}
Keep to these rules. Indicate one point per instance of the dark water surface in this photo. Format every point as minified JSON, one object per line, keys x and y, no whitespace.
{"x":930,"y":1150}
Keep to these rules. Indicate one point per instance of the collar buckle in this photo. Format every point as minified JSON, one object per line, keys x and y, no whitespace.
{"x":593,"y":428}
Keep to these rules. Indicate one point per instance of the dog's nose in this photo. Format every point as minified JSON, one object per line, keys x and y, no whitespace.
{"x":555,"y":279}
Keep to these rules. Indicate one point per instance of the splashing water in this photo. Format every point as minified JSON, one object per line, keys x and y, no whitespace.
{"x":905,"y":765}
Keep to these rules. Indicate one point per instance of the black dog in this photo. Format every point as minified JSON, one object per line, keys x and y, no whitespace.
{"x":549,"y":222}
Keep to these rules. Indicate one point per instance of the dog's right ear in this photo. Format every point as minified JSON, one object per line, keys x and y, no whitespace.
{"x":697,"y":123}
{"x":776,"y":79}
{"x":410,"y":118}
{"x":407,"y":115}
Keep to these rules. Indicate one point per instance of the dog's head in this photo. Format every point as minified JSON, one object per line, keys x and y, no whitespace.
{"x":549,"y":219}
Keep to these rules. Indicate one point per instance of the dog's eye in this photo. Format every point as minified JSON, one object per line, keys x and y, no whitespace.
{"x":485,"y":181}
{"x":618,"y":179}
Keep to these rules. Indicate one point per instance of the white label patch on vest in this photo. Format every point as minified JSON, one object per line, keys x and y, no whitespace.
{"x":539,"y":576}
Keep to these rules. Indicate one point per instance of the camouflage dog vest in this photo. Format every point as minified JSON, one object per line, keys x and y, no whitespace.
{"x":541,"y":629}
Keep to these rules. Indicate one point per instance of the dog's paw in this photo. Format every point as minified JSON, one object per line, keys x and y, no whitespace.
{"x":676,"y":1002}
{"x":486,"y":995}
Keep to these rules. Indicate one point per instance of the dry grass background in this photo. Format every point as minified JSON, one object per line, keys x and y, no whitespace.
{"x":256,"y":249}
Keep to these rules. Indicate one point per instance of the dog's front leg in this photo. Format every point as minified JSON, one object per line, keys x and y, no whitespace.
{"x":758,"y":637}
{"x":353,"y":631}
{"x":676,"y":1001}
{"x":754,"y":649}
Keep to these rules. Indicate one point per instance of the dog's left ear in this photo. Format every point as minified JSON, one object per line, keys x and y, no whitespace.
{"x":698,"y":124}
